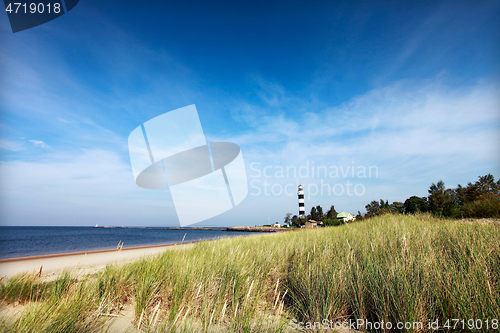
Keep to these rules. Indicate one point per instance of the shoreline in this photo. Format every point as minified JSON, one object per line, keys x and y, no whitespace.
{"x":64,"y":254}
{"x":84,"y":261}
{"x":61,"y":254}
{"x":258,"y":229}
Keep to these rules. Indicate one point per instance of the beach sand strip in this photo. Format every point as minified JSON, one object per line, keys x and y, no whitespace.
{"x":85,"y":262}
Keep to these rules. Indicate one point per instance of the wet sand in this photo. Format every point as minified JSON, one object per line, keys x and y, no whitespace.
{"x":85,"y":262}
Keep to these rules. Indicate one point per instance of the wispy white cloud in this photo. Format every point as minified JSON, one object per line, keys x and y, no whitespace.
{"x":50,"y":99}
{"x":404,"y":118}
{"x":415,"y":132}
{"x":11,"y":145}
{"x":83,"y":188}
{"x":39,"y":143}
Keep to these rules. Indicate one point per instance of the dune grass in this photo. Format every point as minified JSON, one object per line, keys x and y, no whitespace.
{"x":392,"y":268}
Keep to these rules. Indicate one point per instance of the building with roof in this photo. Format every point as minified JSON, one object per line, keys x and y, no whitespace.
{"x":345,"y":217}
{"x":311,"y":224}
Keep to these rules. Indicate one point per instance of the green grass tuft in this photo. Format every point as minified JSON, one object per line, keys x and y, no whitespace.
{"x":392,"y":268}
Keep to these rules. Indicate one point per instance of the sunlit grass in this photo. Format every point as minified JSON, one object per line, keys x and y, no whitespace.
{"x":390,"y":268}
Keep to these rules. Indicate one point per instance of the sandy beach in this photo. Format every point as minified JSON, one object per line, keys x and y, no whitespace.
{"x":84,"y":262}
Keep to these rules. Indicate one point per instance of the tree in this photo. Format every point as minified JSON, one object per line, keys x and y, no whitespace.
{"x":319,"y":213}
{"x":484,"y":188}
{"x":327,"y":222}
{"x":459,"y":195}
{"x":288,"y":219}
{"x":397,"y":207}
{"x":314,"y":213}
{"x":440,"y":200}
{"x":481,"y":199}
{"x":373,"y":208}
{"x":330,"y":218}
{"x":332,"y":213}
{"x":416,"y":204}
{"x":384,"y":207}
{"x":489,"y":207}
{"x":295,"y":221}
{"x":377,"y":208}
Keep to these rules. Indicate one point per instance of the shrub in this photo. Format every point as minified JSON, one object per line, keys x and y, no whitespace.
{"x":489,"y":207}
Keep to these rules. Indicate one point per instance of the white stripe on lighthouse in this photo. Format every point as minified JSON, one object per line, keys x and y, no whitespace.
{"x":300,"y":195}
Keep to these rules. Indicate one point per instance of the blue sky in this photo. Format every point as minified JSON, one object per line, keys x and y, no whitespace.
{"x":408,"y":88}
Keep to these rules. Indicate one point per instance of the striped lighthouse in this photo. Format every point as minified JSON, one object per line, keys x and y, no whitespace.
{"x":300,"y":193}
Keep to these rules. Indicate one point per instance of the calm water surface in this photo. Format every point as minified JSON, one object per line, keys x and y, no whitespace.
{"x":30,"y":241}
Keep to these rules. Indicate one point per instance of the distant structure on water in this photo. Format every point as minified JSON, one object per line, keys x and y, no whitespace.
{"x":302,"y":209}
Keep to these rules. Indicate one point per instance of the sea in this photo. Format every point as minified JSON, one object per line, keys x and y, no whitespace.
{"x":30,"y":241}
